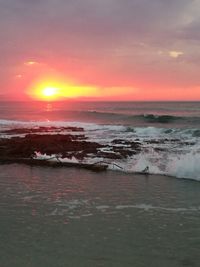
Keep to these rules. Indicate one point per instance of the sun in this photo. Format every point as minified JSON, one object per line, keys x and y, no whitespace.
{"x":57,"y":89}
{"x":46,"y":92}
{"x":49,"y":92}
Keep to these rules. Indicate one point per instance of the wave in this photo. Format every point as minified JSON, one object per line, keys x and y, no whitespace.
{"x":148,"y":207}
{"x":125,"y":117}
{"x":182,"y":165}
{"x":166,"y":151}
{"x":152,"y":118}
{"x":146,"y":131}
{"x":161,"y":118}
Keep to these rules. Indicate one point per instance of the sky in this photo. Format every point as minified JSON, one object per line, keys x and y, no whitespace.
{"x":108,"y":49}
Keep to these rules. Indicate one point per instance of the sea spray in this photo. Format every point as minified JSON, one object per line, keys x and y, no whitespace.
{"x":172,"y":151}
{"x":185,"y":166}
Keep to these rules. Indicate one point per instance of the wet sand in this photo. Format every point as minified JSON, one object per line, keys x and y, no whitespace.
{"x":71,"y":217}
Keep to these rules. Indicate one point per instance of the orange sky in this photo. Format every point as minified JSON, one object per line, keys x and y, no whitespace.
{"x":113,"y":50}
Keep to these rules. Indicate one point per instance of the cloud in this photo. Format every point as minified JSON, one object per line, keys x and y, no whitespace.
{"x":31,"y":63}
{"x":108,"y":42}
{"x":175,"y":54}
{"x":191,"y":31}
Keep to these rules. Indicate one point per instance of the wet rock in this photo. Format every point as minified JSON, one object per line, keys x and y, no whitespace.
{"x":65,"y":145}
{"x":42,"y":130}
{"x":132,"y":144}
{"x":109,"y":155}
{"x":46,"y":144}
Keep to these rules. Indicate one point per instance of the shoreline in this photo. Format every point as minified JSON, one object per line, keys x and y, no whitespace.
{"x":73,"y":146}
{"x":76,"y":167}
{"x":78,"y":212}
{"x":144,"y":152}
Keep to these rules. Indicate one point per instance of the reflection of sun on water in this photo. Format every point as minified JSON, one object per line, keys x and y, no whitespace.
{"x":48,"y":107}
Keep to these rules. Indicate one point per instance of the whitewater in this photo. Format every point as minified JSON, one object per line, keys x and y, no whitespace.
{"x":168,"y":151}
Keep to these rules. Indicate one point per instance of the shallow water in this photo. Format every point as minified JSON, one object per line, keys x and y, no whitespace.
{"x":69,"y":217}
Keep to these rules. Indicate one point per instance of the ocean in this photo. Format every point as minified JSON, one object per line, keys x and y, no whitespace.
{"x":168,"y":131}
{"x":67,"y":217}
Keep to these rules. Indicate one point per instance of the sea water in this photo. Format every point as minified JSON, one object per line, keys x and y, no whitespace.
{"x":169,"y":132}
{"x":76,"y":218}
{"x":67,"y":217}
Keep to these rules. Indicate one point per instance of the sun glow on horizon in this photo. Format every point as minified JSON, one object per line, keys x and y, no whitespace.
{"x":50,"y":91}
{"x":59,"y":89}
{"x":46,"y":90}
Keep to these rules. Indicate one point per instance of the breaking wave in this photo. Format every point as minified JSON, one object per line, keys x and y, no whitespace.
{"x":166,"y":151}
{"x":125,"y":118}
{"x":186,"y":165}
{"x":161,"y":118}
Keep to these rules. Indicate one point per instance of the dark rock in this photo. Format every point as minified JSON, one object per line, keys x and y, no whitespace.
{"x":65,"y":145}
{"x":48,"y":144}
{"x":42,"y":130}
{"x":109,"y":155}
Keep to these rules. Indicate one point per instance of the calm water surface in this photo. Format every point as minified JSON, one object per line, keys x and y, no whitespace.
{"x":68,"y":217}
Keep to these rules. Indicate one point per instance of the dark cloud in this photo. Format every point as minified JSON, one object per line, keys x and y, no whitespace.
{"x":191,"y":31}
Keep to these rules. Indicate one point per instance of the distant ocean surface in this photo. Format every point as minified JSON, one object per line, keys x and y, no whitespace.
{"x":169,"y":131}
{"x":167,"y":114}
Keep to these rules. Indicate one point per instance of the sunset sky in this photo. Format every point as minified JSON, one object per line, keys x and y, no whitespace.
{"x":100,"y":49}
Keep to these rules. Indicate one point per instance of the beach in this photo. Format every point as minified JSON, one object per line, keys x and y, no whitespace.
{"x":142,"y":209}
{"x":99,"y":133}
{"x":71,"y":217}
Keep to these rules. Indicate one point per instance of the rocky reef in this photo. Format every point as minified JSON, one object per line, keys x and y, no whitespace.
{"x":23,"y":143}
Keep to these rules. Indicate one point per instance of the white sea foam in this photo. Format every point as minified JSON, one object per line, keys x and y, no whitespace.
{"x":149,"y":207}
{"x":185,"y":166}
{"x":41,"y":156}
{"x":103,"y":207}
{"x":105,"y":131}
{"x":149,"y":131}
{"x":54,"y":157}
{"x":72,"y":209}
{"x":174,"y":152}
